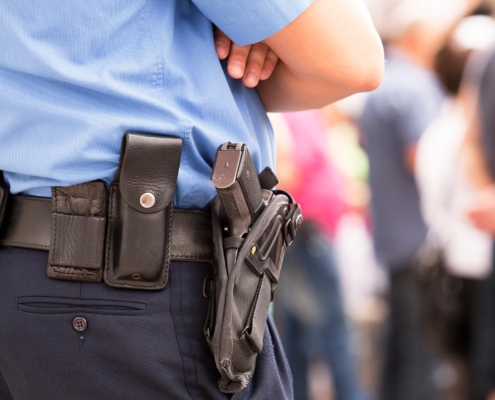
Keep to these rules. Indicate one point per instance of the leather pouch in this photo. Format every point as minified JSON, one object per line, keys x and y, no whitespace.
{"x":78,"y":232}
{"x":140,"y":212}
{"x":3,"y":197}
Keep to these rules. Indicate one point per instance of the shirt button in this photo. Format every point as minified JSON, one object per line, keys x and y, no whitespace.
{"x":80,"y":324}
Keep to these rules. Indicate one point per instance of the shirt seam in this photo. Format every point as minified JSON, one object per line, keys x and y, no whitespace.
{"x":157,"y":77}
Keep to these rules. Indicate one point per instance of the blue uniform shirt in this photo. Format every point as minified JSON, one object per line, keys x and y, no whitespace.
{"x":76,"y":75}
{"x":395,"y":117}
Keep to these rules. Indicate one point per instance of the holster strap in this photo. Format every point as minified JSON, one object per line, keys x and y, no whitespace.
{"x":28,"y":224}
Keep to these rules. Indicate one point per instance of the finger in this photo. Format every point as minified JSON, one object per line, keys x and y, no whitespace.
{"x":254,"y":64}
{"x":222,"y":44}
{"x":237,"y":60}
{"x":271,"y":61}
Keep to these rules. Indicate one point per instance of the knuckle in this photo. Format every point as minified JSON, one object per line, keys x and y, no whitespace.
{"x":271,"y":56}
{"x":240,"y":51}
{"x":257,"y":56}
{"x":260,"y":47}
{"x":270,"y":61}
{"x":255,"y":63}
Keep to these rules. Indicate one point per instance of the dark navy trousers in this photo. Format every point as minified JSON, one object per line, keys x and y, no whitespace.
{"x":137,"y":344}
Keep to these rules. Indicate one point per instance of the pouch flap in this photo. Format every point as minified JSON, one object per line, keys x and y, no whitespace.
{"x":149,"y":166}
{"x":86,"y":200}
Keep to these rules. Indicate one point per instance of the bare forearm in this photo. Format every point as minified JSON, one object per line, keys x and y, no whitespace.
{"x":329,"y":52}
{"x":288,"y":91}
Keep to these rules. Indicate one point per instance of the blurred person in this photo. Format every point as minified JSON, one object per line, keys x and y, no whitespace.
{"x":394,"y":118}
{"x":482,"y":213}
{"x":362,"y":281}
{"x":452,"y":284}
{"x":309,"y":305}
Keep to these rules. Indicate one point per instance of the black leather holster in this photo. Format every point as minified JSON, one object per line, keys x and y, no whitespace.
{"x":241,"y":292}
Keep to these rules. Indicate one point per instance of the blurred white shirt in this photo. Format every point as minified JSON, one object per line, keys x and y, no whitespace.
{"x":445,"y":191}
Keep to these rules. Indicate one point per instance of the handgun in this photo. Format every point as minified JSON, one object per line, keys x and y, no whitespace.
{"x":238,"y":187}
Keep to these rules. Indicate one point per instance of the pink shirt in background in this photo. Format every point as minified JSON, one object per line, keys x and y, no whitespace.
{"x":321,"y":191}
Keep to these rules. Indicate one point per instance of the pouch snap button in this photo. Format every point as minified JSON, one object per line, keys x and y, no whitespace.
{"x":80,"y":324}
{"x":147,"y":200}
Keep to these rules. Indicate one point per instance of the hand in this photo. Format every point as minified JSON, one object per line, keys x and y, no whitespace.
{"x":481,"y":211}
{"x":252,"y":63}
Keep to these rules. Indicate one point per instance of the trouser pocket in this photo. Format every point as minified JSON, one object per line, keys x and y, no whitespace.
{"x":65,"y":305}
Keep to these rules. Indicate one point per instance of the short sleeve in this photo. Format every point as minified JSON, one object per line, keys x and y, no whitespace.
{"x":251,"y":21}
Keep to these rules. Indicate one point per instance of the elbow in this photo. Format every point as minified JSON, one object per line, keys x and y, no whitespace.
{"x":362,"y":70}
{"x":371,"y":79}
{"x":367,"y":72}
{"x":374,"y":75}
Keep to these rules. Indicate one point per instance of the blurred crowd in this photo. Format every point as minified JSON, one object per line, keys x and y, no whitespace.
{"x":389,"y":291}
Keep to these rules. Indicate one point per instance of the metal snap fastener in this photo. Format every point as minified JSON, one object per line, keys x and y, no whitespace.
{"x":80,"y":324}
{"x":147,"y":200}
{"x":136,"y":277}
{"x":254,"y":249}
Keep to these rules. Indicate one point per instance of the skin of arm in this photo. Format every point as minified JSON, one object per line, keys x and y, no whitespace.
{"x":410,"y":157}
{"x":481,"y":210}
{"x":472,"y":156}
{"x":329,"y":52}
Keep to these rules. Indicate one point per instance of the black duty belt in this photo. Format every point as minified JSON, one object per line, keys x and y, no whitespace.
{"x":28,"y":224}
{"x":126,"y":235}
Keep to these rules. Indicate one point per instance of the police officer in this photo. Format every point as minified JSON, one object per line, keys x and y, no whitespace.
{"x":75,"y":76}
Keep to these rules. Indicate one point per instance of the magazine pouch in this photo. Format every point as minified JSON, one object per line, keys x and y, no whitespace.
{"x":137,"y":254}
{"x":78,"y":232}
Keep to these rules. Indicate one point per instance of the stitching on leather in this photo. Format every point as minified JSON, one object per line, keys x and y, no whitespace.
{"x":193,"y":256}
{"x":55,"y":228}
{"x":108,"y":250}
{"x":165,"y":269}
{"x":9,"y":243}
{"x":98,"y":204}
{"x":27,"y":198}
{"x":113,"y":188}
{"x":109,"y":242}
{"x":167,"y":261}
{"x":110,"y":230}
{"x":83,"y":272}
